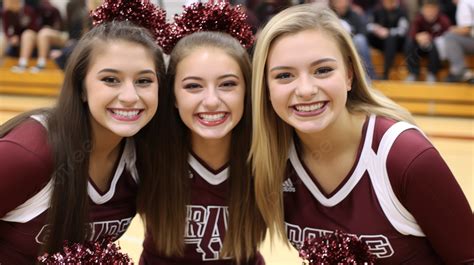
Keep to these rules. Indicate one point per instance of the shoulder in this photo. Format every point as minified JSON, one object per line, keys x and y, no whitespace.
{"x":410,"y":151}
{"x":25,"y":152}
{"x":29,"y":136}
{"x":26,"y":164}
{"x":444,"y":19}
{"x":407,"y":146}
{"x":411,"y":139}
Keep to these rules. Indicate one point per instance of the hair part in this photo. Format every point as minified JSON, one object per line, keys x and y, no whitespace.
{"x":271,"y":136}
{"x":166,"y":196}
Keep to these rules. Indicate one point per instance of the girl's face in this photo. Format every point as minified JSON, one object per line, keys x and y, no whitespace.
{"x":209,"y":88}
{"x":121,"y":89}
{"x":307,"y":80}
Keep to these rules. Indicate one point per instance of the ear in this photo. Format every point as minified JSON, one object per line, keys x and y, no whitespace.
{"x":350,"y":77}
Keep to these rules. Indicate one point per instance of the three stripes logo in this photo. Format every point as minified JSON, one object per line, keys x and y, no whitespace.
{"x":288,"y":186}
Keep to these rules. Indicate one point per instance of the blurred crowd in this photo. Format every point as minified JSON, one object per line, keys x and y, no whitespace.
{"x":414,"y":28}
{"x":37,"y":29}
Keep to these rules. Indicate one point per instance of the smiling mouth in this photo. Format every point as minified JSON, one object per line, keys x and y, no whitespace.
{"x":212,"y":119}
{"x":309,"y":109}
{"x":126,"y":115}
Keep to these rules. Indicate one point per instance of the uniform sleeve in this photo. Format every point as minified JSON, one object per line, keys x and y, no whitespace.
{"x":22,"y":174}
{"x":432,"y":195}
{"x":360,"y":25}
{"x":465,"y":14}
{"x":6,"y":21}
{"x":445,"y":24}
{"x":402,"y":27}
{"x":415,"y":26}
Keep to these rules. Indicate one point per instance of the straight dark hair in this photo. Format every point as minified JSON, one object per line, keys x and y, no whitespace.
{"x":69,"y":133}
{"x":163,"y":198}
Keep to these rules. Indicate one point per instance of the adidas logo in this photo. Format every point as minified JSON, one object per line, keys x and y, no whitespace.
{"x":288,"y":186}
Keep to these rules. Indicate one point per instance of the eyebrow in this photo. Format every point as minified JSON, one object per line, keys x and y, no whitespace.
{"x":110,"y":70}
{"x":200,"y":78}
{"x":312,"y":64}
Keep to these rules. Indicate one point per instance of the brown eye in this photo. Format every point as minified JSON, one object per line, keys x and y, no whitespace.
{"x":229,"y":84}
{"x":144,"y":82}
{"x":192,"y":86}
{"x":323,"y":70}
{"x":110,"y":80}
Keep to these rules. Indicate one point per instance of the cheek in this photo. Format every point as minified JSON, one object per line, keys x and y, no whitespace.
{"x":277,"y":95}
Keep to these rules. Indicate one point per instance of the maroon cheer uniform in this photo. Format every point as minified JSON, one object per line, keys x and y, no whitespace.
{"x":399,"y":197}
{"x":207,"y":219}
{"x":26,"y":188}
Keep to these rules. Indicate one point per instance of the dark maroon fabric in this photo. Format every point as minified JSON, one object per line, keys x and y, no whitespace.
{"x":25,"y":169}
{"x":206,"y":226}
{"x":14,"y":23}
{"x":423,"y":184}
{"x":435,"y":29}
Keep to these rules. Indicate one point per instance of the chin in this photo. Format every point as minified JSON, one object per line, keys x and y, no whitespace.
{"x":126,"y":133}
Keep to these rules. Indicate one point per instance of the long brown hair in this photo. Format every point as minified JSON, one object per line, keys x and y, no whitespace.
{"x":272,"y":136}
{"x":164,"y":198}
{"x":69,"y":133}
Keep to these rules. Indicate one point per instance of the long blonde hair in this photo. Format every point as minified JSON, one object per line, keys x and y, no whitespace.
{"x":271,"y":136}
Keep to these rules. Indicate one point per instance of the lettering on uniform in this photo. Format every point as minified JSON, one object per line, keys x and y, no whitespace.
{"x":379,"y":245}
{"x":205,"y":229}
{"x":114,"y":228}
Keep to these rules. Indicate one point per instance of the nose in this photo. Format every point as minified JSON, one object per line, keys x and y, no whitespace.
{"x":211,"y":98}
{"x":128,"y":93}
{"x":306,"y":88}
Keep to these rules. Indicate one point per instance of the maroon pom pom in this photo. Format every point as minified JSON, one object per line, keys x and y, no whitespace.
{"x":140,"y":12}
{"x":209,"y":17}
{"x":336,"y":248}
{"x":99,"y":252}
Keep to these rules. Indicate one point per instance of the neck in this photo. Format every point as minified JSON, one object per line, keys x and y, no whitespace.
{"x":342,"y":135}
{"x":102,"y":150}
{"x":105,"y":148}
{"x":215,"y":152}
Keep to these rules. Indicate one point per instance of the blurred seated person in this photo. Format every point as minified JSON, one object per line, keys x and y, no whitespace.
{"x":78,"y":22}
{"x":50,"y":35}
{"x":266,"y":9}
{"x":355,"y":24}
{"x":460,"y":42}
{"x":428,"y":25}
{"x":364,"y":7}
{"x":17,"y":18}
{"x":387,"y":28}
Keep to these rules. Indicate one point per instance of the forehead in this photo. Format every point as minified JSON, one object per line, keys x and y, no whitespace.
{"x":207,"y":60}
{"x":303,"y":47}
{"x":120,"y":54}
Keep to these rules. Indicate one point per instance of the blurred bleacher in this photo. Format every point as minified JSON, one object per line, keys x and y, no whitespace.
{"x":45,"y":83}
{"x":436,"y":99}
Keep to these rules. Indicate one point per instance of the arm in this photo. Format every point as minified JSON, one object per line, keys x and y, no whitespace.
{"x":6,"y":19}
{"x":25,"y":166}
{"x":360,"y":25}
{"x":402,"y":27}
{"x":429,"y":191}
{"x":464,"y":18}
{"x":445,"y":23}
{"x":415,"y":27}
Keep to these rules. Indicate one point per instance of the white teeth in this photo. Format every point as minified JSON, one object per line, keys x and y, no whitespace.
{"x":211,"y":117}
{"x":126,"y":114}
{"x":309,"y":108}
